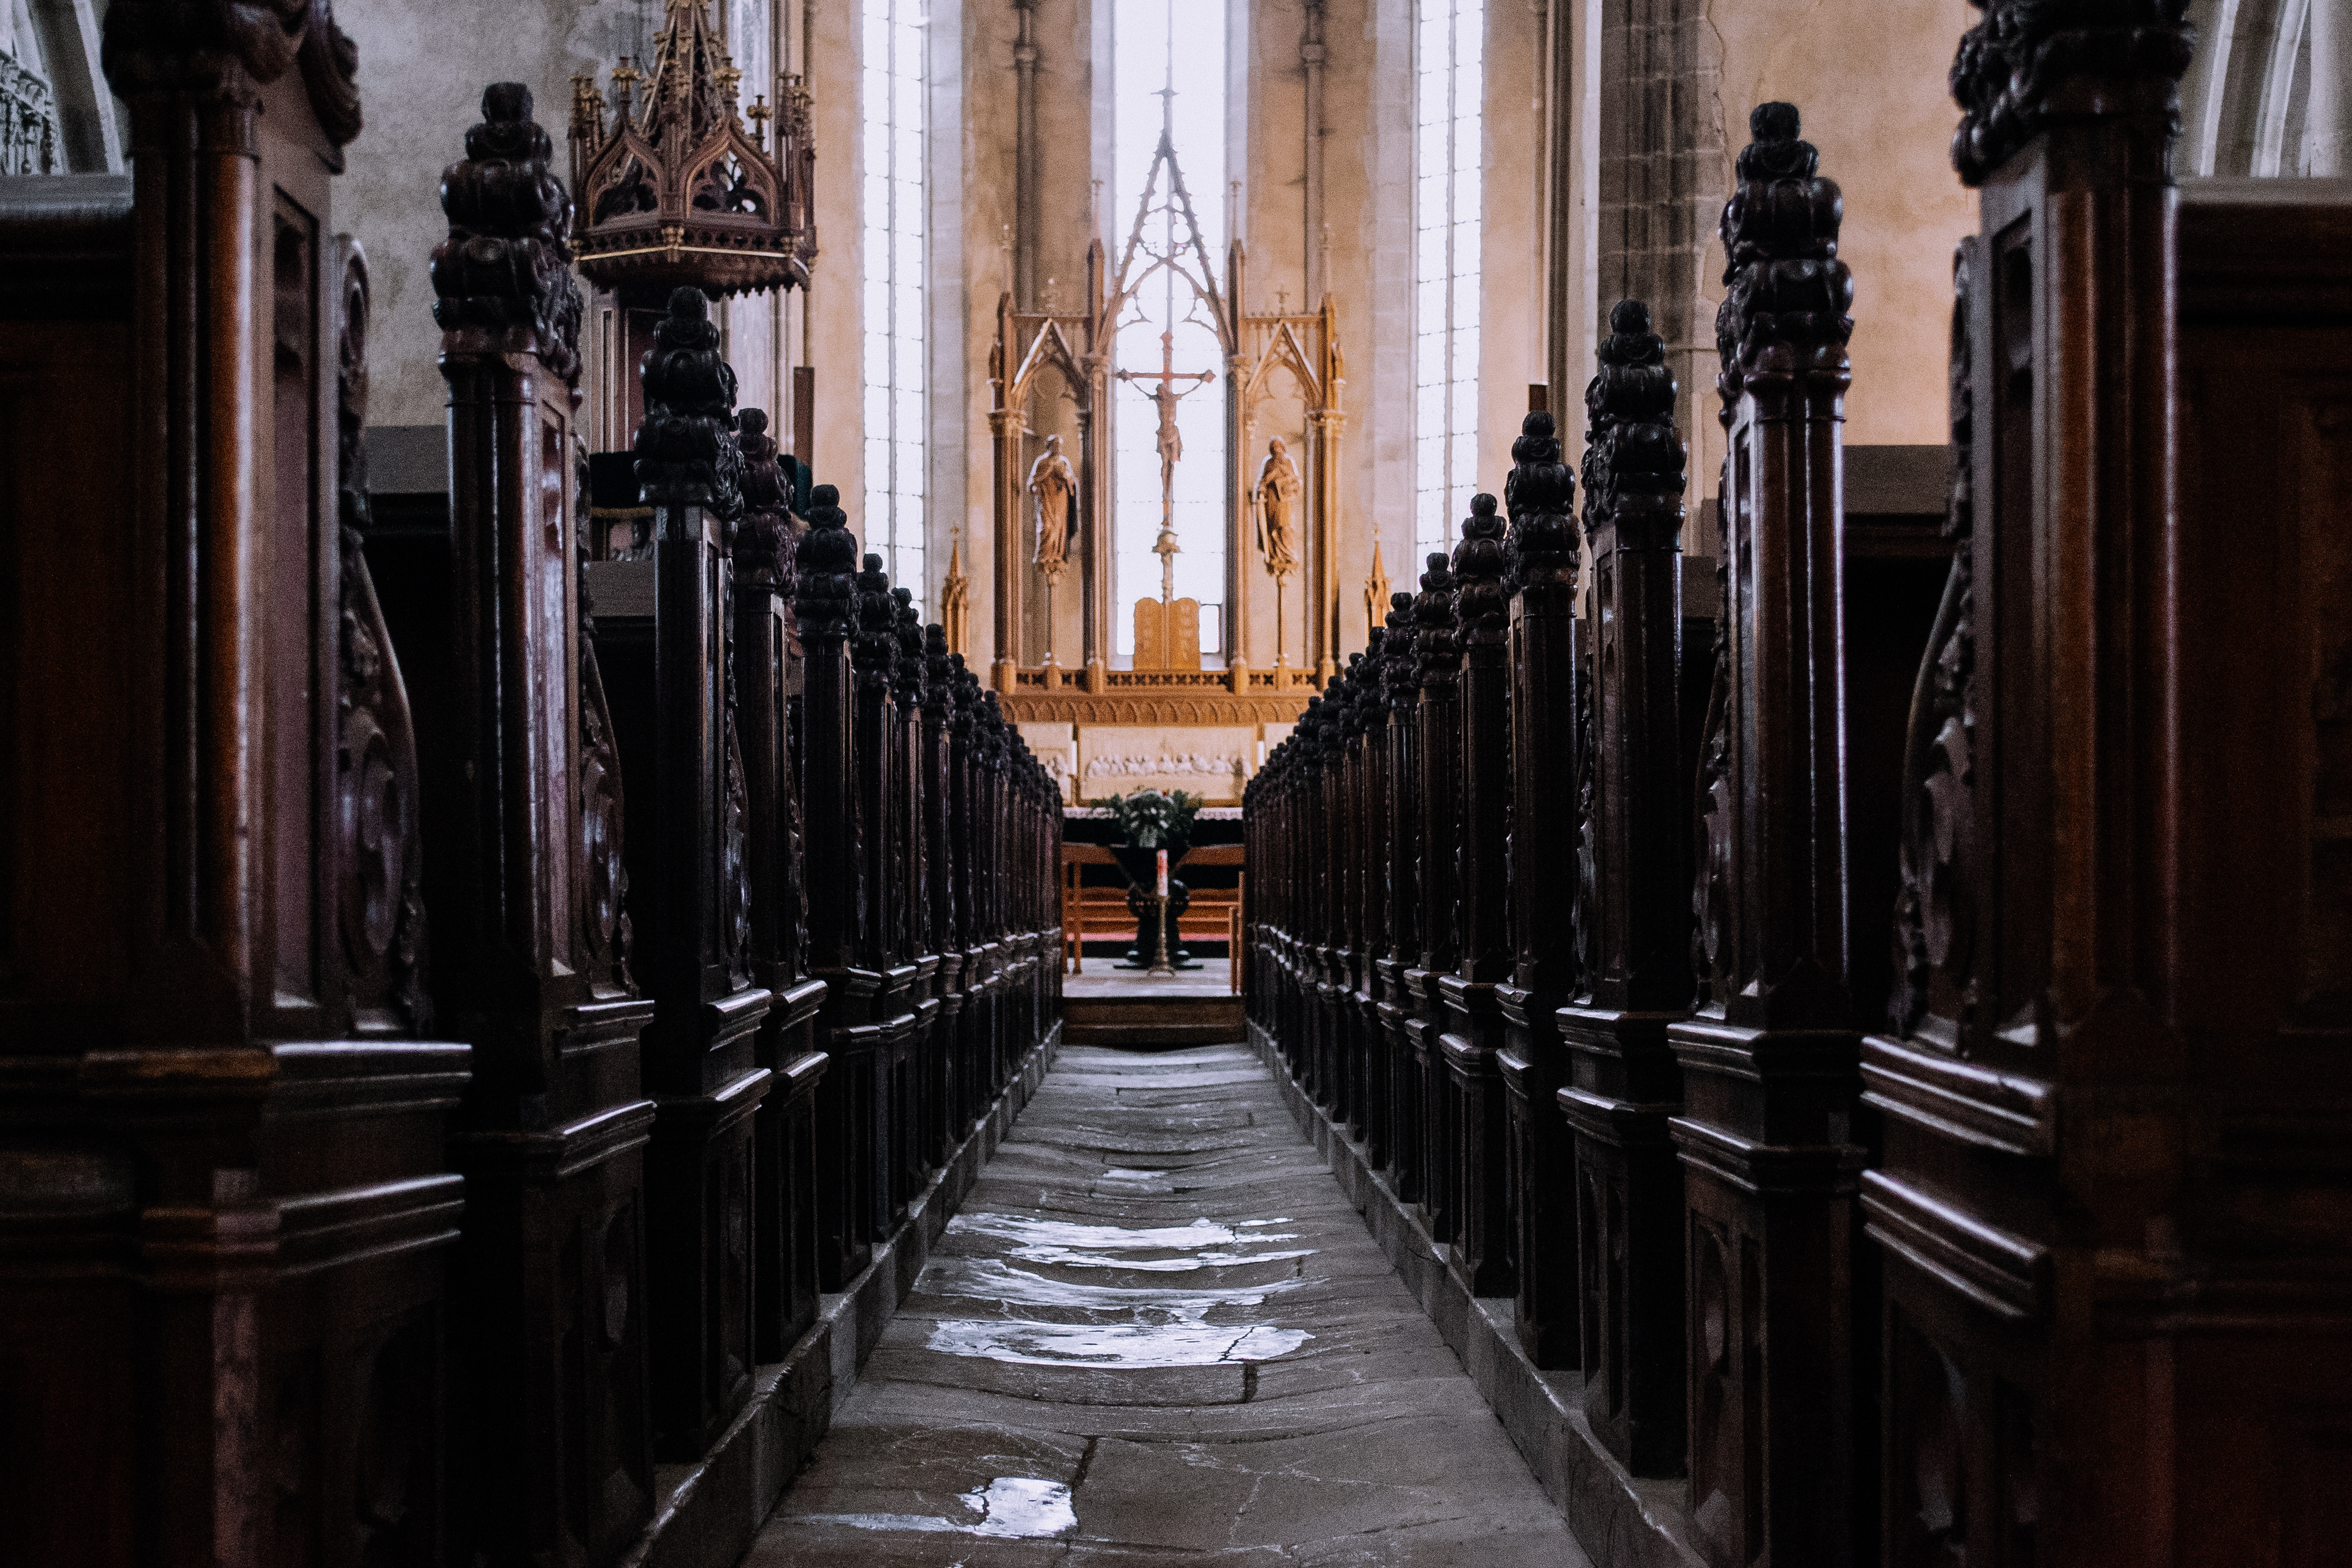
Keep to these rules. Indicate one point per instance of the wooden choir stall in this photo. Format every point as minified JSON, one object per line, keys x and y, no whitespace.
{"x":469,"y":1013}
{"x":1886,"y":1133}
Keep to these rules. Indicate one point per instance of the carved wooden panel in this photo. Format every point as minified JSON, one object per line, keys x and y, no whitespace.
{"x":377,"y":797}
{"x":297,"y":555}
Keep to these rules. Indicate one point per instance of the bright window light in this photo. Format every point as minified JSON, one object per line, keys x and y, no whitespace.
{"x":892,"y":219}
{"x":1449,"y":85}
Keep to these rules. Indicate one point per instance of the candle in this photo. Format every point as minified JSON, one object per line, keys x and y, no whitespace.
{"x":1163,"y":873}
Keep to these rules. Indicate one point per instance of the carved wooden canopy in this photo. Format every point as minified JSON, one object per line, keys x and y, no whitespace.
{"x":687,"y":194}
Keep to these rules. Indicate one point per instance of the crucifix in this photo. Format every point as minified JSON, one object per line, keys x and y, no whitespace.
{"x":1165,"y":397}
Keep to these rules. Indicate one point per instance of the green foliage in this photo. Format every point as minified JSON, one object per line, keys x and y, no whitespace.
{"x":1153,"y":817}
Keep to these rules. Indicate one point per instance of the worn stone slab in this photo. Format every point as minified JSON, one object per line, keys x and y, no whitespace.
{"x":1627,"y":1522}
{"x":1157,"y":1332}
{"x":708,"y":1512}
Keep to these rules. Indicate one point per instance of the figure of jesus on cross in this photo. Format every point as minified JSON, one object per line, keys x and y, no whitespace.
{"x":1165,"y":397}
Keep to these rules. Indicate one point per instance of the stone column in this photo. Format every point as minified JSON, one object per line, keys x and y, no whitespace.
{"x":2327,"y":114}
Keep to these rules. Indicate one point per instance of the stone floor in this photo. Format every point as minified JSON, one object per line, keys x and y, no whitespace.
{"x":1158,"y":1334}
{"x":1105,"y":979}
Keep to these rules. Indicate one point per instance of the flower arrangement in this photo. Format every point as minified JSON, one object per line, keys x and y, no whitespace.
{"x":1153,"y":818}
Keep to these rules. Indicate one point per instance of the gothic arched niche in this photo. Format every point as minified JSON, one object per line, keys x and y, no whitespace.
{"x":1274,"y":407}
{"x":57,"y":114}
{"x":1054,"y":456}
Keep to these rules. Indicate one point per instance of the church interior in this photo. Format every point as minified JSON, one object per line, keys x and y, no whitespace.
{"x":1322,"y":782}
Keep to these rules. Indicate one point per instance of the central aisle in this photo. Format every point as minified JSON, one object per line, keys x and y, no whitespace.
{"x":1158,"y":1334}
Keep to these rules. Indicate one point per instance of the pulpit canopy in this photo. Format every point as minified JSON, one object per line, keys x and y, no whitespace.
{"x":685,"y":193}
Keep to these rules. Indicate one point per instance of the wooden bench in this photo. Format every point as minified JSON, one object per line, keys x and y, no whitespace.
{"x":1102,"y":912}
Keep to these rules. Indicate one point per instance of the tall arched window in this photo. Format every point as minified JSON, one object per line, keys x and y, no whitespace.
{"x":1449,"y":86}
{"x":1169,"y":80}
{"x":892,"y":212}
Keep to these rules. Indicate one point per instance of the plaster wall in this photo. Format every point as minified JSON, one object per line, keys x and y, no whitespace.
{"x":1870,"y":78}
{"x":418,"y":110}
{"x":1511,"y":312}
{"x":423,"y":66}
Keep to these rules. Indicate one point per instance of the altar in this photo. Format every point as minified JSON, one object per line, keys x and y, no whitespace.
{"x":1172,"y":712}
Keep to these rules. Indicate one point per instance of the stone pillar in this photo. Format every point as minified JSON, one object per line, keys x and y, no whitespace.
{"x":2327,"y":112}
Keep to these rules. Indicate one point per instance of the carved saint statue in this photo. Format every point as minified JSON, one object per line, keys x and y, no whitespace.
{"x":1276,"y":494}
{"x":1054,"y":485}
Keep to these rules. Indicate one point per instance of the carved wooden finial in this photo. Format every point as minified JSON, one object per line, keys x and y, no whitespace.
{"x":1432,"y":620}
{"x":1786,"y":294}
{"x":2012,"y":70}
{"x":1539,"y":494}
{"x":506,"y":267}
{"x":687,"y":453}
{"x":827,"y":594}
{"x":764,"y":539}
{"x":1481,"y":607}
{"x":877,"y":651}
{"x":1632,"y":453}
{"x":909,"y":674}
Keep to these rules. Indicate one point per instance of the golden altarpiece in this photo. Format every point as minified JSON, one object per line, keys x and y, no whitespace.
{"x":1168,"y":719}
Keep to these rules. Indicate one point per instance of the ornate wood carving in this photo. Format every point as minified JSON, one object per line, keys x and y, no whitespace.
{"x":683,"y":194}
{"x":826,"y":611}
{"x":1768,"y":1066}
{"x":1474,"y":1018}
{"x":228,"y":50}
{"x":528,"y":872}
{"x":606,"y":936}
{"x":1546,"y":758}
{"x":503,"y":277}
{"x":701,"y":1050}
{"x":1439,"y":743}
{"x":2022,"y":70}
{"x":1935,"y":920}
{"x":380,"y":861}
{"x":1399,"y":731}
{"x":1625,"y":1082}
{"x":229,"y":1200}
{"x":783,"y":1222}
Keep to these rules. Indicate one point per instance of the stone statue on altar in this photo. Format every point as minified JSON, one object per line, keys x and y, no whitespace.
{"x":1054,"y":484}
{"x":1277,"y":495}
